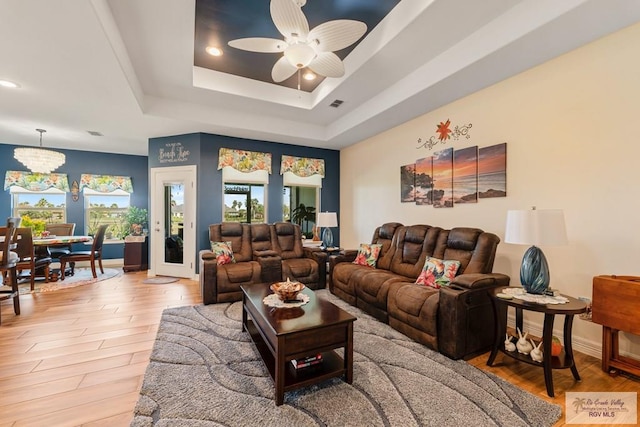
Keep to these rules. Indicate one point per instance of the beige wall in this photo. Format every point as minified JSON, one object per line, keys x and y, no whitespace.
{"x":573,"y":142}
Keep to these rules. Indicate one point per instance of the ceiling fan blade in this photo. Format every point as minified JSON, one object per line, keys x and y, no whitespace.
{"x":259,"y":44}
{"x":338,"y":34}
{"x":282,"y":70}
{"x":289,"y":19}
{"x":327,"y":64}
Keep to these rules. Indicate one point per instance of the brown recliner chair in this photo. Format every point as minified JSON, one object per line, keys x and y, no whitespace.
{"x":298,"y":263}
{"x":264,"y":254}
{"x":221,"y":283}
{"x":456,"y":320}
{"x":340,"y":282}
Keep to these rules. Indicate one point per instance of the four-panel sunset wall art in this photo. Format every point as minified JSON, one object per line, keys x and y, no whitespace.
{"x":452,"y":177}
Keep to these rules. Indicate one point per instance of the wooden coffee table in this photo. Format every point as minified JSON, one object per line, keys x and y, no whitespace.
{"x":283,"y":334}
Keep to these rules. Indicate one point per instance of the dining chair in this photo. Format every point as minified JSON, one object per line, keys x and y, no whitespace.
{"x":95,"y":254}
{"x":60,"y":229}
{"x":27,"y":257}
{"x":8,"y":262}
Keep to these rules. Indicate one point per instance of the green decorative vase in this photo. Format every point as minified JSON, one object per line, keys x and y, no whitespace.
{"x":534,"y":272}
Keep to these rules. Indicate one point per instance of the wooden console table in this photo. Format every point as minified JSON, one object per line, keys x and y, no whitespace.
{"x":136,"y":253}
{"x":615,"y":306}
{"x":565,"y":360}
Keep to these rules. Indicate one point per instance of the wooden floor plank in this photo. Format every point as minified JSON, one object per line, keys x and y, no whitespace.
{"x":38,"y":377}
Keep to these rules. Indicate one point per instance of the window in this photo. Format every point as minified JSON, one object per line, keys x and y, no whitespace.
{"x":106,"y":208}
{"x":45,"y":207}
{"x":300,"y":207}
{"x":244,"y":203}
{"x":286,"y":204}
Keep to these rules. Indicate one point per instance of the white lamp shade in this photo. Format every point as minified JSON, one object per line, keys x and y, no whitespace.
{"x":327,"y":219}
{"x":536,"y":227}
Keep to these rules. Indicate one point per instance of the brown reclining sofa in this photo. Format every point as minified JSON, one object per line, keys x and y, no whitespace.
{"x":263,"y":253}
{"x":456,"y":320}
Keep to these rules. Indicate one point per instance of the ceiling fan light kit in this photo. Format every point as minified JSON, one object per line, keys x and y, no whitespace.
{"x":302,"y":48}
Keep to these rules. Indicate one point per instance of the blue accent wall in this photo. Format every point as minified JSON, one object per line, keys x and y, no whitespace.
{"x":77,"y":163}
{"x":203,"y":151}
{"x":191,"y":149}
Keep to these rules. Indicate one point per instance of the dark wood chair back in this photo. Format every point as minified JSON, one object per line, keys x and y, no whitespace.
{"x":9,"y":262}
{"x":60,"y":229}
{"x":95,"y":254}
{"x":28,"y":259}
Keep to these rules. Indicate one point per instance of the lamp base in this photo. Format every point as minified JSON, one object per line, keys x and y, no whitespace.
{"x":534,"y":272}
{"x":327,"y":238}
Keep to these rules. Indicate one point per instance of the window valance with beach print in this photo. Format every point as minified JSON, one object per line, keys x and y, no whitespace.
{"x":302,"y":166}
{"x":244,"y":161}
{"x":106,"y":183}
{"x":36,"y":181}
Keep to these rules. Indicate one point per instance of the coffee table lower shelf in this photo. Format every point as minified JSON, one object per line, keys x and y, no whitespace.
{"x":332,"y":364}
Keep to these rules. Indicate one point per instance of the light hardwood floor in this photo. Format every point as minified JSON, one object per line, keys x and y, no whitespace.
{"x":77,"y":357}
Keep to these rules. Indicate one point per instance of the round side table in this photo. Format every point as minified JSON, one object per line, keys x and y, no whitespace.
{"x":564,"y":360}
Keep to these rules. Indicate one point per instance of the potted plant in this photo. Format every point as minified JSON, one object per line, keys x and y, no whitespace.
{"x":135,"y":221}
{"x":304,"y":214}
{"x":37,"y":225}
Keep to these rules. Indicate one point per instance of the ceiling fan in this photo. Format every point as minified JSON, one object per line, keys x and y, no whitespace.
{"x":303,"y":47}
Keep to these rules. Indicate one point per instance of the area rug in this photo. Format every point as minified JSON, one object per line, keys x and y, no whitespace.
{"x":160,"y":280}
{"x":204,"y":371}
{"x":81,"y":277}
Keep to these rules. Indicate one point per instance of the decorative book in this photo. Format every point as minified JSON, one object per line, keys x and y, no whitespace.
{"x":305,"y":362}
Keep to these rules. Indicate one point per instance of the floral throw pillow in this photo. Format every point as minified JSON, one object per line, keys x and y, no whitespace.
{"x":368,"y":254}
{"x":223,"y":252}
{"x":437,"y":273}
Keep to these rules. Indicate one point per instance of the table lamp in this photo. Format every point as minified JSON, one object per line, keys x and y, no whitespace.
{"x":327,"y":220}
{"x":535,"y":227}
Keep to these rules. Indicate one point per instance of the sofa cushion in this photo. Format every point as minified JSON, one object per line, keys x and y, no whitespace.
{"x":231,"y":276}
{"x":303,"y":270}
{"x":223,"y":252}
{"x":415,"y":305}
{"x":437,"y":272}
{"x":368,"y":254}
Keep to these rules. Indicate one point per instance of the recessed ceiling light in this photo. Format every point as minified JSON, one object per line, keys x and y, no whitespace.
{"x":214,"y":51}
{"x":309,"y":75}
{"x":7,"y":83}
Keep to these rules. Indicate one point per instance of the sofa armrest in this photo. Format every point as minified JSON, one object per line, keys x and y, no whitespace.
{"x":321,"y":258}
{"x":479,"y":280}
{"x":267,"y":253}
{"x":207,"y":255}
{"x":466,"y":323}
{"x":270,"y":267}
{"x":348,"y":255}
{"x":208,"y":277}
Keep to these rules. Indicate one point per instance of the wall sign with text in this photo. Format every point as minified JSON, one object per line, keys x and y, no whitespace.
{"x":173,"y":152}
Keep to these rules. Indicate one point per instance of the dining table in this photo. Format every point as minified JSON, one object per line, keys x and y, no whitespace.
{"x":60,"y":240}
{"x":42,"y":245}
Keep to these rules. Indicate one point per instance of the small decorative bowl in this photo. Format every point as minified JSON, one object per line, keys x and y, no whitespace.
{"x":287,"y":291}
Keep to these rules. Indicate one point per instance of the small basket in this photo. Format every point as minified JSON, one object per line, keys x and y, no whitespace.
{"x":287,"y":291}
